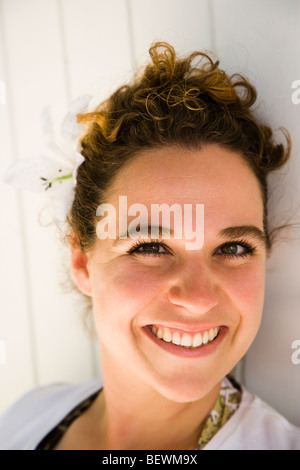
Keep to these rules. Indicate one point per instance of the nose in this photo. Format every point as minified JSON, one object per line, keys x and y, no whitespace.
{"x":194,"y":287}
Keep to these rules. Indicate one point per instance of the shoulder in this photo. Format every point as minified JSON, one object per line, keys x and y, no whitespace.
{"x":256,"y":426}
{"x":30,"y":419}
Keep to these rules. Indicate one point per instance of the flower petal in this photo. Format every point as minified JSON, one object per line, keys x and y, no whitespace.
{"x":62,"y":200}
{"x":34,"y":173}
{"x":48,"y":129}
{"x":70,"y":127}
{"x":49,"y":136}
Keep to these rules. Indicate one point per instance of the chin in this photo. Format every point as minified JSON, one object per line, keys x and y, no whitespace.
{"x":187,"y":390}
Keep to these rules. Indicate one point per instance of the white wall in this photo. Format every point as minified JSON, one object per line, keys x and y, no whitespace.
{"x":51,"y":51}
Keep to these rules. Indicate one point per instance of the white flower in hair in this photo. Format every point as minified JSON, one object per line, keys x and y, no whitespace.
{"x":57,"y":171}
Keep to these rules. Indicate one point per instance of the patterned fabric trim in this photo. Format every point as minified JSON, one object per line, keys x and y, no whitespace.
{"x":227,"y":403}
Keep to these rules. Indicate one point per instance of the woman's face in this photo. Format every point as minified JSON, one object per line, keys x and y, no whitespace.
{"x":155,"y":303}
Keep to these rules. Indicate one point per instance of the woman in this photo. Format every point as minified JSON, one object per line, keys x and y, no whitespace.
{"x":172,"y":319}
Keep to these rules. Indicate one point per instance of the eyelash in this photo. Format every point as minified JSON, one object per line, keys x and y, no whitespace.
{"x":154,"y":242}
{"x":250,"y":249}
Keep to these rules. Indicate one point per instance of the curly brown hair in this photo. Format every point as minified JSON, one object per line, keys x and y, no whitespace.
{"x":187,"y":102}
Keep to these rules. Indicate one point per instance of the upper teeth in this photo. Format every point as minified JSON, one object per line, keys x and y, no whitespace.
{"x":185,"y":339}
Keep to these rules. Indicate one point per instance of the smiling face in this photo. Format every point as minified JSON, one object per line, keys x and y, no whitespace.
{"x":173,"y":319}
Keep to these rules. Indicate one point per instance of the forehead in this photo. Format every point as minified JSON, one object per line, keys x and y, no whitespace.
{"x":216,"y":177}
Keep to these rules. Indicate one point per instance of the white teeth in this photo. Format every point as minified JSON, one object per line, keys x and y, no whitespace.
{"x":176,"y":338}
{"x":167,"y":336}
{"x":187,"y":340}
{"x":205,"y":337}
{"x":159,"y":334}
{"x":197,"y":340}
{"x":211,"y":334}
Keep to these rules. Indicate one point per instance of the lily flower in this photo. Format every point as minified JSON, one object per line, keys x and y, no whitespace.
{"x":55,"y":172}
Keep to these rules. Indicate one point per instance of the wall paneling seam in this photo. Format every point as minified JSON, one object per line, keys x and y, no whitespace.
{"x":28,"y":308}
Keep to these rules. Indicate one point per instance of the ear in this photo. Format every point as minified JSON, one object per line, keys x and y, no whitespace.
{"x":80,"y":269}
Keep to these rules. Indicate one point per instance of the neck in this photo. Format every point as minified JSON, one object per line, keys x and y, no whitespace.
{"x":132,"y":415}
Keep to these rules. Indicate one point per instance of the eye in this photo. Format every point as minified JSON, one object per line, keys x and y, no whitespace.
{"x":235,"y":250}
{"x":149,"y":249}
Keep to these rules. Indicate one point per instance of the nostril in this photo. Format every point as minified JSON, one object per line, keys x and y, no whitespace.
{"x":194,"y":300}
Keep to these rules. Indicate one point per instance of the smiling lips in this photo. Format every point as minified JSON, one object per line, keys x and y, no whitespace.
{"x":188,"y":340}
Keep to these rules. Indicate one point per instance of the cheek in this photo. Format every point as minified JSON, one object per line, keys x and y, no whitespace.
{"x":122,"y":292}
{"x":246,"y":289}
{"x":250,"y":288}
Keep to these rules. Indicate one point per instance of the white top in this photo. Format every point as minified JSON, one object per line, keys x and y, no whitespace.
{"x":254,"y":426}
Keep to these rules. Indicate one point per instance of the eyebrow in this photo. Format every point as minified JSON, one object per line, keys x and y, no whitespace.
{"x":244,"y":231}
{"x":162,"y":232}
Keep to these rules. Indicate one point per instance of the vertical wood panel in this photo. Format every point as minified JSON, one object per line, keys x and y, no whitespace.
{"x":98,"y":45}
{"x":63,"y":351}
{"x":17,"y":374}
{"x":185,"y":24}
